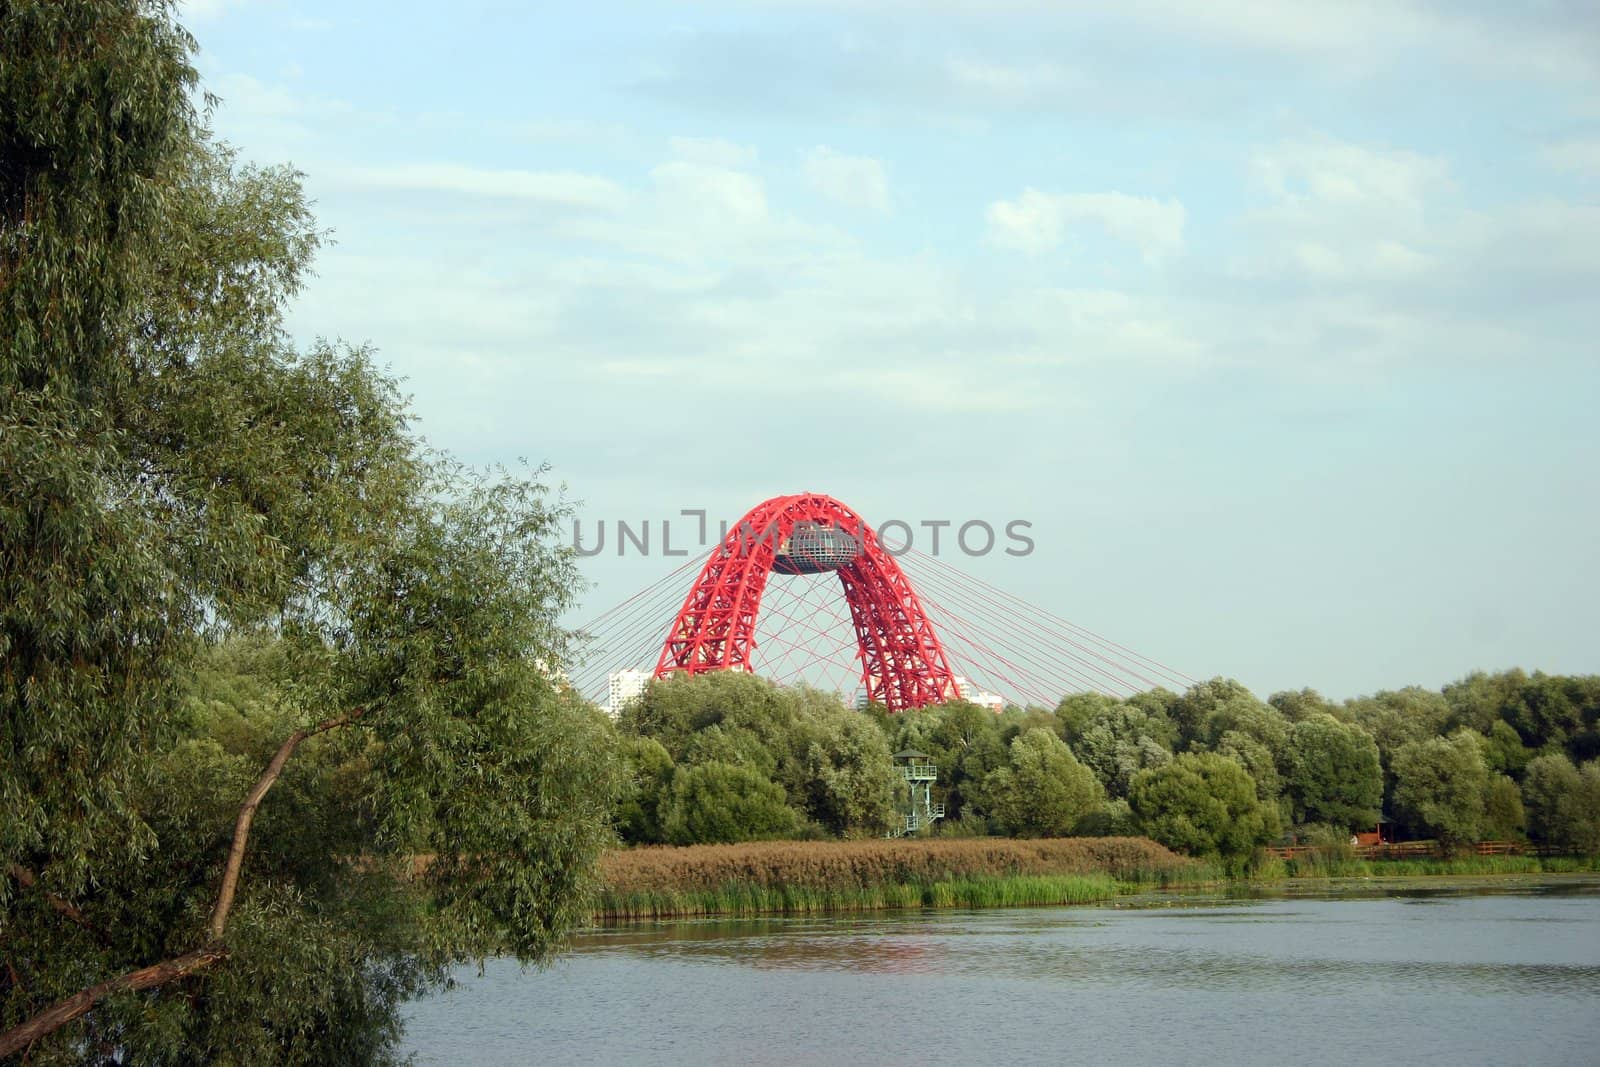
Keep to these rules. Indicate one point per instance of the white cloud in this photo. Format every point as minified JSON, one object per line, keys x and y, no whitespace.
{"x":1015,"y":82}
{"x":1333,"y":172}
{"x":939,"y":389}
{"x":710,"y":193}
{"x":1550,"y":42}
{"x":1342,"y":213}
{"x":712,"y":152}
{"x":854,"y":181}
{"x":241,"y":92}
{"x":1380,"y":260}
{"x":553,"y":187}
{"x":204,"y":10}
{"x":1575,"y":156}
{"x":1076,"y":326}
{"x":1038,"y":222}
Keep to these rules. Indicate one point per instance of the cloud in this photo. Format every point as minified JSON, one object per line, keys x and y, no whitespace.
{"x":1016,"y":82}
{"x":1557,"y":41}
{"x":1336,"y":212}
{"x":712,"y":152}
{"x":938,"y":390}
{"x":854,"y":181}
{"x":242,"y":92}
{"x":551,"y":187}
{"x":1329,"y":171}
{"x":1078,"y":326}
{"x":1038,"y":222}
{"x":711,"y":193}
{"x":204,"y":10}
{"x":1575,"y":156}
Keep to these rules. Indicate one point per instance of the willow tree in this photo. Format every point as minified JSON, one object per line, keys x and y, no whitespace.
{"x":414,"y":787}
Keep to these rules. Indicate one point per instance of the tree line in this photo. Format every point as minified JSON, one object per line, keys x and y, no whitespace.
{"x":1213,"y":771}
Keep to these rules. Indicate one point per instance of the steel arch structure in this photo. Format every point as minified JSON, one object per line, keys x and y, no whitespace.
{"x":903,"y":664}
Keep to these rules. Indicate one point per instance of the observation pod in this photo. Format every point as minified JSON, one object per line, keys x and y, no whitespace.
{"x":903,"y":664}
{"x":813,"y":548}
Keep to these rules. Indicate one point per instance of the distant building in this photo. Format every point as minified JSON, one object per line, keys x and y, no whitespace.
{"x":623,"y":686}
{"x":558,"y":675}
{"x":965,"y":690}
{"x":981,"y":697}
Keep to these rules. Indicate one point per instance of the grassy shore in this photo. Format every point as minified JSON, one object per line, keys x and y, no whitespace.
{"x":799,"y":878}
{"x":1347,"y":867}
{"x":792,"y":877}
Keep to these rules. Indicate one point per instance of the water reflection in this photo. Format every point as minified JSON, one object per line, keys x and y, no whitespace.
{"x":1468,"y":978}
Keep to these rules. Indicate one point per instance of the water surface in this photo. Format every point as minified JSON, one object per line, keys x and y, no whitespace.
{"x":1419,"y":977}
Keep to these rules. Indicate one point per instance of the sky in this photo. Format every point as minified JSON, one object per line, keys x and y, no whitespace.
{"x":1275,"y":321}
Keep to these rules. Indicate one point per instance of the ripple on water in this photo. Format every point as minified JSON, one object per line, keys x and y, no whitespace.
{"x":1448,"y":979}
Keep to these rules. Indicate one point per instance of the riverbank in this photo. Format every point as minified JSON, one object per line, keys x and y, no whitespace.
{"x":1341,"y":867}
{"x":815,"y":877}
{"x":806,"y":877}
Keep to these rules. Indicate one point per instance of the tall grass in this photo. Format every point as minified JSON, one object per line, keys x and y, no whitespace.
{"x":809,"y":877}
{"x":795,"y":877}
{"x":745,"y":899}
{"x":1322,"y":866}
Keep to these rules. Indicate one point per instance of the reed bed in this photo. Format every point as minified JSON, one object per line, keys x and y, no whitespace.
{"x":801,"y":877}
{"x":1314,"y":866}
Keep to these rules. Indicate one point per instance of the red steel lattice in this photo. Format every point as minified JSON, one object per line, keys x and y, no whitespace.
{"x":903,"y":664}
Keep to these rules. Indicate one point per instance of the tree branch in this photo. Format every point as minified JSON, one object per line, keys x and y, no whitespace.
{"x":28,"y":880}
{"x":247,"y":814}
{"x":64,"y":1011}
{"x":158,"y":974}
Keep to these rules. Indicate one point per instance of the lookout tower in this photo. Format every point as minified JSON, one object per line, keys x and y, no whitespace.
{"x":919,"y":772}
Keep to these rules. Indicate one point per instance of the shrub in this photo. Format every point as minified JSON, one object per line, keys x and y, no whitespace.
{"x":719,"y":802}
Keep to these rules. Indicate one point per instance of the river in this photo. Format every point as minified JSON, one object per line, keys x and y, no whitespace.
{"x":1423,"y":976}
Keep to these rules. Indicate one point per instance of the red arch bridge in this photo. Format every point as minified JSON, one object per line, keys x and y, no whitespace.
{"x":802,"y":590}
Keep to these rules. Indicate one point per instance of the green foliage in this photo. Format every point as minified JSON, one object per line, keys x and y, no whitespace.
{"x":964,"y":740}
{"x":673,"y":710}
{"x":1398,"y":717}
{"x":1550,"y":781}
{"x":1440,"y":787}
{"x":1301,"y":705}
{"x":850,"y":777}
{"x":1563,"y":803}
{"x":727,"y":743}
{"x":1210,"y":709}
{"x":1203,"y":804}
{"x":1043,"y":791}
{"x":1256,"y":758}
{"x":1543,"y":710}
{"x":832,"y":764}
{"x":1158,"y":703}
{"x":1503,"y":815}
{"x":1314,"y":761}
{"x":1333,"y":773}
{"x":1503,"y":750}
{"x":1583,"y":811}
{"x":973,"y":891}
{"x":1244,"y":716}
{"x":1113,"y":818}
{"x":650,"y":769}
{"x":720,"y":803}
{"x":1119,"y":740}
{"x":177,"y":475}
